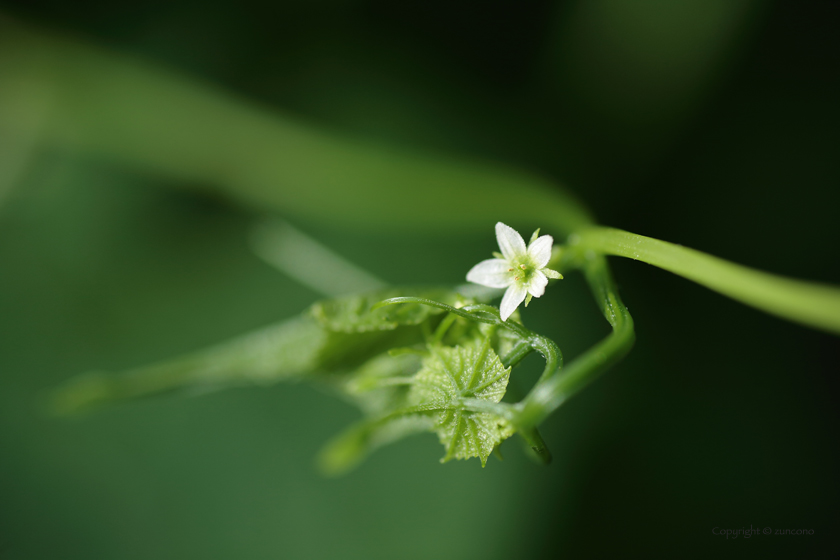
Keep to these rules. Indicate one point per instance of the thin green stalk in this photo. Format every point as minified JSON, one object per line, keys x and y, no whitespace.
{"x":518,"y":353}
{"x":552,"y":392}
{"x":444,"y":325}
{"x":535,"y":441}
{"x":809,"y":303}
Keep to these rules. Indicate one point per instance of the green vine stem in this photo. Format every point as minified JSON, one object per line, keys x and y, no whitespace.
{"x":808,"y":303}
{"x":548,"y":394}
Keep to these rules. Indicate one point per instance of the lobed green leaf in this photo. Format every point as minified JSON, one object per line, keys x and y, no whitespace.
{"x":451,"y":374}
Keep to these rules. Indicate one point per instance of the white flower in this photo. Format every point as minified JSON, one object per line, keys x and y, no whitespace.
{"x":522,"y":271}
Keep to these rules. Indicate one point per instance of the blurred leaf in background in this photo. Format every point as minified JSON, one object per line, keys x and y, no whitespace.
{"x":712,"y":124}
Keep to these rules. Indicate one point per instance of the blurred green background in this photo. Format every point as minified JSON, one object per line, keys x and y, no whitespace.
{"x":710,"y":123}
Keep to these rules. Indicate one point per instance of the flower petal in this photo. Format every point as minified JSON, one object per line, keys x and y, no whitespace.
{"x":510,"y":242}
{"x":536,"y":287}
{"x":492,"y":273}
{"x":540,"y":250}
{"x":513,"y":297}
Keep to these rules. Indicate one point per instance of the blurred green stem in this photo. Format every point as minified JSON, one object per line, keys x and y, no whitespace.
{"x":113,"y":106}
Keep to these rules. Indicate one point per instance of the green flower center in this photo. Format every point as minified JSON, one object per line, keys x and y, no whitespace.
{"x":522,"y":270}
